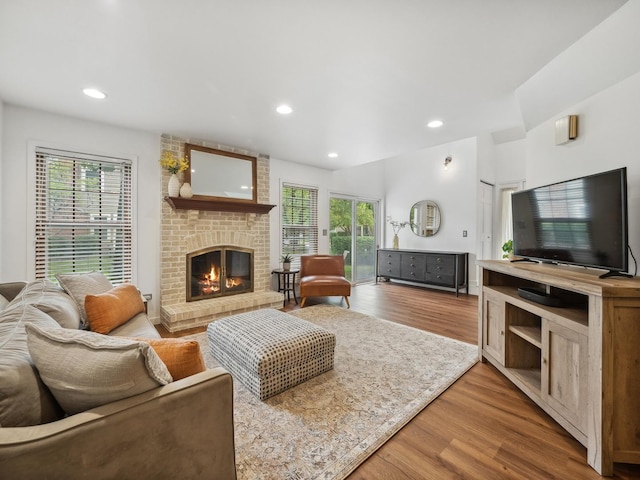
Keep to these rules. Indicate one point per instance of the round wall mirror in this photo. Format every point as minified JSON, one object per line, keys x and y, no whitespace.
{"x":424,"y":218}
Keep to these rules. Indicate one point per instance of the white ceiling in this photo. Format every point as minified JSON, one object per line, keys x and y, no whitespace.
{"x":363,"y":76}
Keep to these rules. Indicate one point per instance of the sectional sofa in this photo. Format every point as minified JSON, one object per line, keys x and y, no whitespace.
{"x":70,"y":410}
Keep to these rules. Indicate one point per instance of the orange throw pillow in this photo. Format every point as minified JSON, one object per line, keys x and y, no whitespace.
{"x":183,"y":358}
{"x":111,"y":309}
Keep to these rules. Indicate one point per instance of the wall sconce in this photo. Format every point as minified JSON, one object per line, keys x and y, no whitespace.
{"x":447,"y":161}
{"x":566,"y":129}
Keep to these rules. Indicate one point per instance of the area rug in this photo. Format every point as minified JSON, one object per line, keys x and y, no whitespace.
{"x":384,"y":374}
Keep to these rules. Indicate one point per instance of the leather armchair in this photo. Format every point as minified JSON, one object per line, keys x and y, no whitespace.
{"x":323,"y":276}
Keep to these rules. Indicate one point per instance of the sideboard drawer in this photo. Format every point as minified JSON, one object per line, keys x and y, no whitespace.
{"x":447,"y":280}
{"x":413,"y":266}
{"x":441,"y":263}
{"x":389,"y":263}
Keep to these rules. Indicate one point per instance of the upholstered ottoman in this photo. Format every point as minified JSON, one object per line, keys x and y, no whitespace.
{"x":269,"y":351}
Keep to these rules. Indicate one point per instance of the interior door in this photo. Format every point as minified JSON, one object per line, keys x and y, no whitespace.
{"x":353,"y":227}
{"x":486,"y":221}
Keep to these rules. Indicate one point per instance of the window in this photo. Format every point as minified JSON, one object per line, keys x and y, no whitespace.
{"x":299,"y":221}
{"x":507,"y":223}
{"x":83,"y":215}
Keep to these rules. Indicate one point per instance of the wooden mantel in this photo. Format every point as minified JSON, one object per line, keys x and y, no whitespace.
{"x":180,"y":203}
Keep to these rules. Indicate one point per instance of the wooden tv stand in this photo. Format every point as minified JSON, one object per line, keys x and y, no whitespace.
{"x":581,"y":362}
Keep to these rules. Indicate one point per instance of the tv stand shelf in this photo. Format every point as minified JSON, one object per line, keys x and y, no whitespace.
{"x":577,"y":362}
{"x":533,"y":335}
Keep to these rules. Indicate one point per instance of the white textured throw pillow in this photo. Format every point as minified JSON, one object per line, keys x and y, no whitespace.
{"x":85,"y":369}
{"x":79,"y":285}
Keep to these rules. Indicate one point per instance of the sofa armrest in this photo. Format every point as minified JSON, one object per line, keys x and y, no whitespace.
{"x":180,"y":430}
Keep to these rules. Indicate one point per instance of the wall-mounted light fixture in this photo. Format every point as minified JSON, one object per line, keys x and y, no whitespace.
{"x":447,"y":161}
{"x":566,"y":129}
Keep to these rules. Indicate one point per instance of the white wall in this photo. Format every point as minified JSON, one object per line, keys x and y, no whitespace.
{"x":364,"y":181}
{"x":22,"y":125}
{"x":607,"y":138}
{"x":421,"y":176}
{"x":486,"y":158}
{"x":603,"y":57}
{"x":281,"y":171}
{"x":510,"y":162}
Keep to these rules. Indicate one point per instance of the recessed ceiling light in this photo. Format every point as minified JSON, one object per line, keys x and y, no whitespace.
{"x":435,"y":123}
{"x":94,"y":93}
{"x":284,"y":109}
{"x":333,"y":155}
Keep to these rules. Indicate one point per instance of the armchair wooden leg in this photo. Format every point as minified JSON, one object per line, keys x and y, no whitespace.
{"x":346,"y":299}
{"x":302,"y":302}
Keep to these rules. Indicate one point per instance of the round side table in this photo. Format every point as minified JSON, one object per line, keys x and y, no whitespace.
{"x":287,"y":283}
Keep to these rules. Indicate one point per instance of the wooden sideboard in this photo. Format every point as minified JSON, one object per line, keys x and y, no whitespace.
{"x":444,"y":269}
{"x":579,"y":362}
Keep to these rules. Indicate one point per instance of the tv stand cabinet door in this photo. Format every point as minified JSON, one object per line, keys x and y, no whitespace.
{"x":493,"y":335}
{"x":565,"y":372}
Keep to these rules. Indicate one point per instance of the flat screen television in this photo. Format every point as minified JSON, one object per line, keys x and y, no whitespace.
{"x":582,"y":221}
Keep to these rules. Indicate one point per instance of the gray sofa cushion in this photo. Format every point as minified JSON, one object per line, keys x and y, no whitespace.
{"x":49,"y":298}
{"x":24,"y":399}
{"x":139,"y":326}
{"x":79,"y":285}
{"x":86,"y":369}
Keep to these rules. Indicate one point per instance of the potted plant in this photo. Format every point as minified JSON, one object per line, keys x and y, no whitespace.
{"x":286,"y":261}
{"x":507,"y":248}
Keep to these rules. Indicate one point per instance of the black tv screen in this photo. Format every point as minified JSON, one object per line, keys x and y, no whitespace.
{"x":580,"y":222}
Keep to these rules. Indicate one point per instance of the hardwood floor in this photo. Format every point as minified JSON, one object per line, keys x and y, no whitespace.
{"x":482,"y":427}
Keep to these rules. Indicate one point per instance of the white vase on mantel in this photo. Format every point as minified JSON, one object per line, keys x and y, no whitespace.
{"x":185,"y":190}
{"x":173,"y":187}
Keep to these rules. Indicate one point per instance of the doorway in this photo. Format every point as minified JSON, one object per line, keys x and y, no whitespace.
{"x":353,"y":234}
{"x":485,"y":220}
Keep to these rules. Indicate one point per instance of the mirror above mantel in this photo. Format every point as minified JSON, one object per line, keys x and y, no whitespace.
{"x":221,"y":181}
{"x":219,"y":175}
{"x":424,"y":218}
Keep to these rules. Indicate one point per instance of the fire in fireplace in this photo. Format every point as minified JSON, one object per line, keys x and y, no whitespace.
{"x":219,"y":271}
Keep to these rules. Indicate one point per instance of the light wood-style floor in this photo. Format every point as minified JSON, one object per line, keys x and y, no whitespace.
{"x":482,"y":427}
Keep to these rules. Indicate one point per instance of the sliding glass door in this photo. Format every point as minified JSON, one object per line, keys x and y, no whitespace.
{"x":353,"y":235}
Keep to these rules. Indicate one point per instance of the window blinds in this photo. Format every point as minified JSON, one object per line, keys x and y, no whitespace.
{"x":83,"y":215}
{"x":299,"y":221}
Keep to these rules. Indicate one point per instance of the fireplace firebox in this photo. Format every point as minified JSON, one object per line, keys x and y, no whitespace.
{"x":219,"y":271}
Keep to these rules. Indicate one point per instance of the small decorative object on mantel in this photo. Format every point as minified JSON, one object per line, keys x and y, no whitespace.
{"x":173,"y":187}
{"x":396,"y":226}
{"x":286,"y":262}
{"x":174,"y":165}
{"x":185,"y":190}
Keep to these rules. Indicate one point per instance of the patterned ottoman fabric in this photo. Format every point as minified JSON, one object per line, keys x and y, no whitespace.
{"x":270,"y":351}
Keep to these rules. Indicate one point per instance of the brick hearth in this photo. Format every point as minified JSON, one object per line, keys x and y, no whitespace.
{"x":185,"y":231}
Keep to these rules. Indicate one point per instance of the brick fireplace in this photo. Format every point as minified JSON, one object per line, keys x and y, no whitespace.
{"x":185,"y":232}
